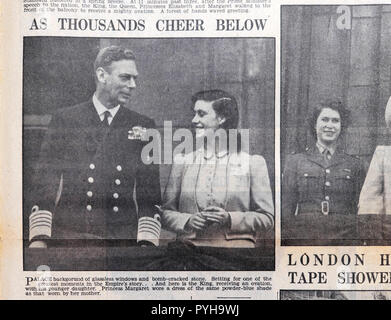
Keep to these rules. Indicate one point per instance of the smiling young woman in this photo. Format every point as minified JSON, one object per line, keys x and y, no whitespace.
{"x":222,"y":197}
{"x":323,"y":180}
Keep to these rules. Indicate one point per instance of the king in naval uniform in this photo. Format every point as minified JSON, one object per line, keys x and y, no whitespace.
{"x":91,"y":181}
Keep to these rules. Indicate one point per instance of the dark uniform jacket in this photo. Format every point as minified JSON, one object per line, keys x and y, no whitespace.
{"x":313,"y":185}
{"x":92,"y":178}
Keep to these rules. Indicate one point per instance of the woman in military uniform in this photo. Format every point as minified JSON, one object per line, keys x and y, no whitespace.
{"x":323,"y":180}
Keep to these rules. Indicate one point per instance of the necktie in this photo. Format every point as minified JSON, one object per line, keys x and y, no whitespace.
{"x":327,"y":154}
{"x":106,"y":118}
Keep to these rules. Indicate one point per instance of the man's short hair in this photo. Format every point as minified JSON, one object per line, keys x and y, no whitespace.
{"x":224,"y":104}
{"x":335,"y":105}
{"x":108,"y":55}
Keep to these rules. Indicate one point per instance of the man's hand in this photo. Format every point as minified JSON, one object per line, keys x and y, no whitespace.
{"x":196,"y":222}
{"x":38,"y":244}
{"x":217,"y":215}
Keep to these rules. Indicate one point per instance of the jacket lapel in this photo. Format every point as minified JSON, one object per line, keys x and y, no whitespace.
{"x":92,"y":127}
{"x":338,"y":157}
{"x":238,"y":165}
{"x":188,"y":195}
{"x":316,"y":157}
{"x":120,"y":120}
{"x":91,"y":117}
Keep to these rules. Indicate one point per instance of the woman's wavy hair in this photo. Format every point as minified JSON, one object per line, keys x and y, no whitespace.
{"x":335,"y":105}
{"x":224,"y":104}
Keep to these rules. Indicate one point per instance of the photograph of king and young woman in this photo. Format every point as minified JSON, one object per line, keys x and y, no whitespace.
{"x":148,"y":154}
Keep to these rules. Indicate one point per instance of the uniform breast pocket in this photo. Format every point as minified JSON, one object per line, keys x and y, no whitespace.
{"x":309,"y":184}
{"x":344,"y":183}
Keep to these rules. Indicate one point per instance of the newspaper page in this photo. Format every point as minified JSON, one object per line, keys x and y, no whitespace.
{"x":195,"y":150}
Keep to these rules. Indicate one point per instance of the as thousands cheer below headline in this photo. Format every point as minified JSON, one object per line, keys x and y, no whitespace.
{"x":76,"y":24}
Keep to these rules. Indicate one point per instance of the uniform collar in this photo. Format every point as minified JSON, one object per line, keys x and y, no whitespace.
{"x":101,"y":109}
{"x":322,"y":148}
{"x":315,"y":156}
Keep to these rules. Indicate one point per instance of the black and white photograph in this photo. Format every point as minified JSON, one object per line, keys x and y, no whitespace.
{"x":148,"y":153}
{"x":335,"y":118}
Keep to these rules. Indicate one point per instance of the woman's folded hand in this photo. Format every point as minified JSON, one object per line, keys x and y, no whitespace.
{"x":218,"y":215}
{"x":196,"y":222}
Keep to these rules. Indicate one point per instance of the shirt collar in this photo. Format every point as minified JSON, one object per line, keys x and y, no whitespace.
{"x":321,"y":147}
{"x":209,"y":155}
{"x":101,"y":109}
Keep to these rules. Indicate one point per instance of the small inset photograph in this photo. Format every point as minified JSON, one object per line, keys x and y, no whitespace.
{"x":335,"y":295}
{"x":335,"y":119}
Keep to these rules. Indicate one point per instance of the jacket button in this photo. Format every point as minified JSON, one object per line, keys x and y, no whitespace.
{"x":117,"y":182}
{"x":89,"y":193}
{"x":92,"y":166}
{"x":327,"y":198}
{"x":115,"y":209}
{"x":327,"y":170}
{"x":89,"y":208}
{"x":119,"y":168}
{"x":328,"y":184}
{"x":91,"y":180}
{"x":305,"y":174}
{"x":115,"y":195}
